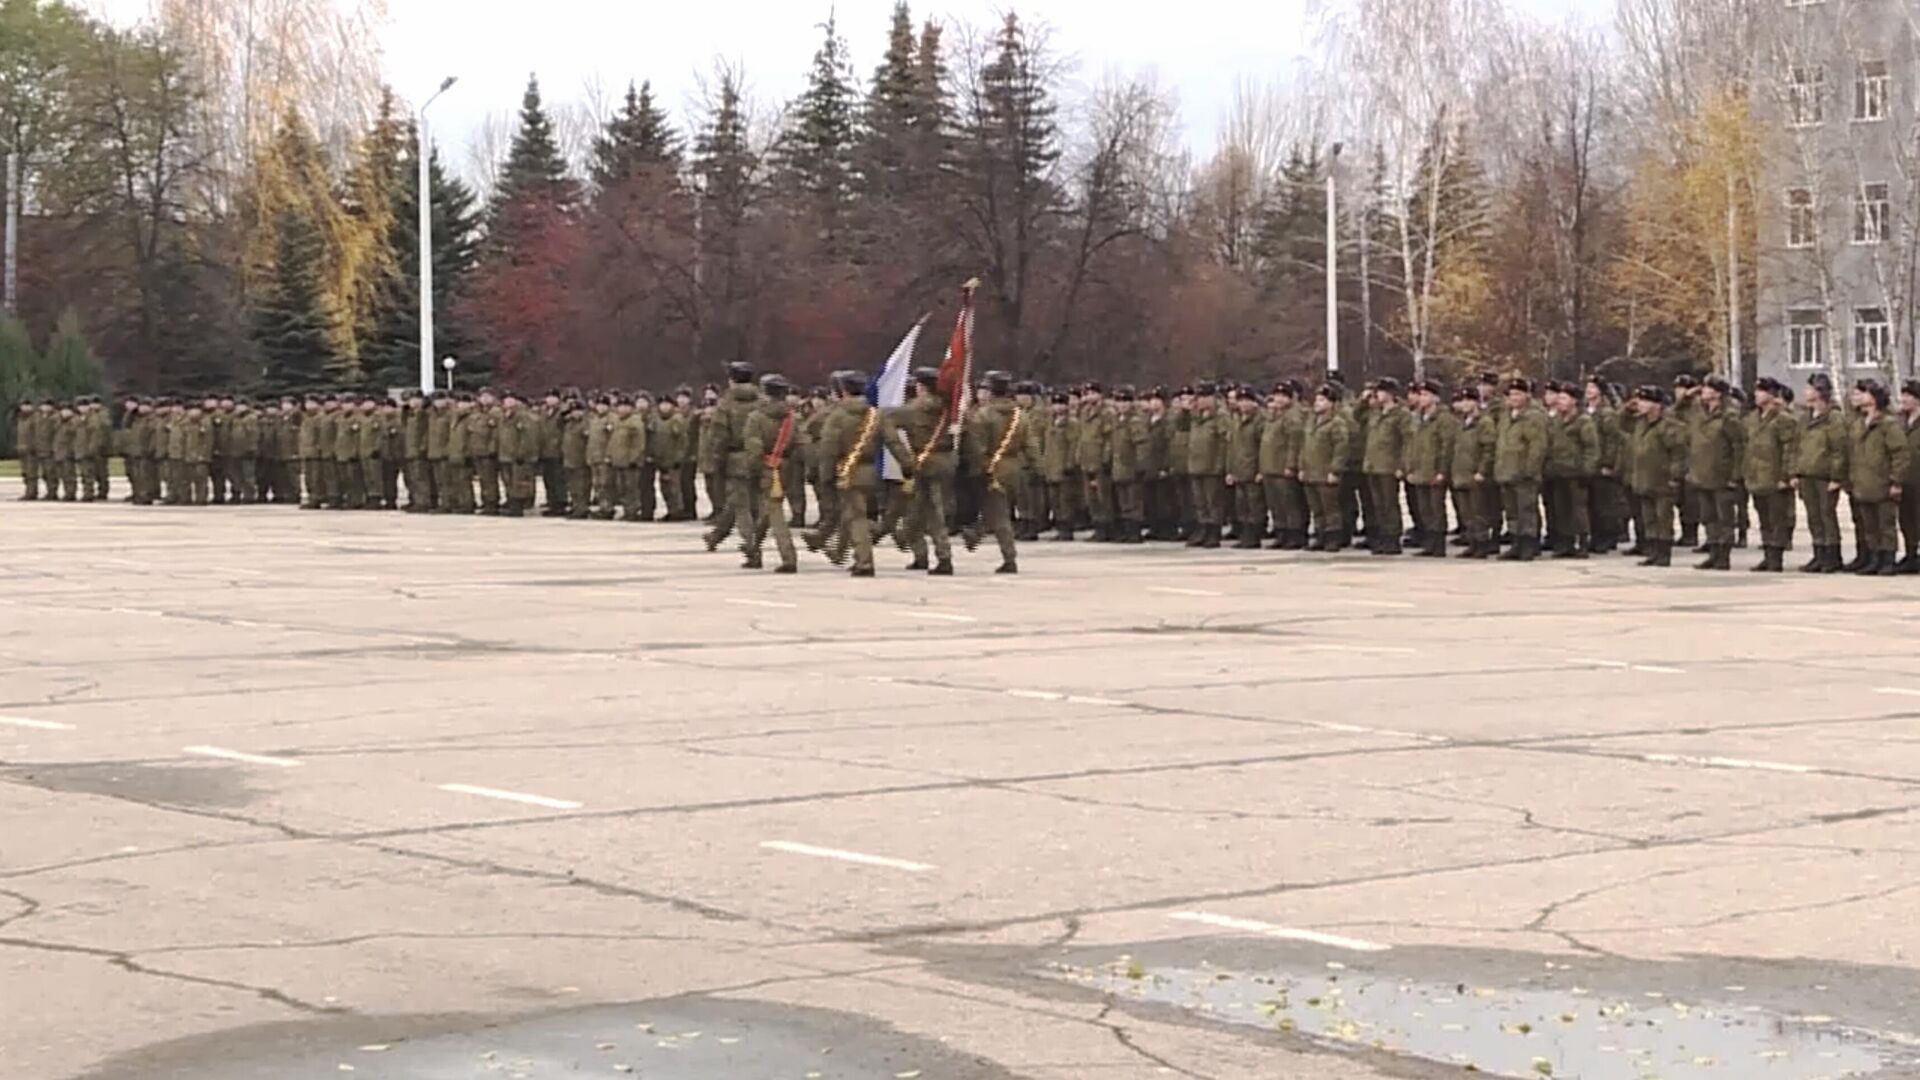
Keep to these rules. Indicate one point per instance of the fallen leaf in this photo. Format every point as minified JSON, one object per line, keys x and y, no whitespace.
{"x":1135,"y":971}
{"x":1705,"y":1060}
{"x":623,"y":1068}
{"x":648,"y":1028}
{"x":1543,"y":1066}
{"x":603,"y":1046}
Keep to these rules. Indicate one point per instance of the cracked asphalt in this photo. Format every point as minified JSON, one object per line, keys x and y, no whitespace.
{"x":291,"y":794}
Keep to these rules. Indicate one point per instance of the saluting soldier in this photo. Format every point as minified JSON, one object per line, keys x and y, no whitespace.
{"x":519,"y":442}
{"x":1606,"y":497}
{"x":1056,"y":465}
{"x":1477,"y":496}
{"x":1384,"y":464}
{"x":1249,"y":511}
{"x":243,"y":452}
{"x":1878,"y":461}
{"x":1093,"y":459}
{"x":551,"y":417}
{"x":1325,"y":448}
{"x":573,"y":457}
{"x":460,"y":456}
{"x":1657,"y":471}
{"x":415,"y":421}
{"x":196,"y":454}
{"x":1910,"y":481}
{"x":1519,"y":465}
{"x":66,"y":440}
{"x":440,"y":416}
{"x":1207,"y":466}
{"x":1772,"y":436}
{"x":1432,"y":432}
{"x":1820,"y":471}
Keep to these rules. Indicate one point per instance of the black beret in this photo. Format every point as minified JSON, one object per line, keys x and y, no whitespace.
{"x":1330,"y":390}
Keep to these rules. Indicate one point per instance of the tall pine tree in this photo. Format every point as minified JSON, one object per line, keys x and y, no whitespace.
{"x":816,"y":152}
{"x":290,"y":319}
{"x":635,"y":140}
{"x":534,"y":171}
{"x":886,"y":140}
{"x":393,"y":350}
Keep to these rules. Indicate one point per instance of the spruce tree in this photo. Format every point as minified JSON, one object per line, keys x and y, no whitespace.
{"x":886,"y":142}
{"x":637,"y":139}
{"x":721,"y":159}
{"x":393,"y":353}
{"x":932,"y":107}
{"x":68,"y":367}
{"x":289,"y":321}
{"x":816,"y":152}
{"x":1017,"y":131}
{"x":534,"y":170}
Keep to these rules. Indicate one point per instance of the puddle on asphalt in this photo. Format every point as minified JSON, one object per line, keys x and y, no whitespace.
{"x":1558,"y":1030}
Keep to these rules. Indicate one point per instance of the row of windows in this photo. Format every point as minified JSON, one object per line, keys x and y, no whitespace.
{"x":1807,"y":338}
{"x":1807,"y":93}
{"x":1872,"y":216}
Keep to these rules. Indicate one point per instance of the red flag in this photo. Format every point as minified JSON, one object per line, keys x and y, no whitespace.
{"x":956,"y":370}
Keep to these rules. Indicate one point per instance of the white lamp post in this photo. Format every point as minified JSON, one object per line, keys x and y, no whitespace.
{"x":449,"y":363}
{"x":1333,"y":257}
{"x":425,"y":198}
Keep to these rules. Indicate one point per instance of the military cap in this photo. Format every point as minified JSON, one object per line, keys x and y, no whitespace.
{"x":1738,"y":394}
{"x":1767,"y":383}
{"x":1651,"y":393}
{"x":1428,"y":386}
{"x":999,"y":382}
{"x":1873,"y":389}
{"x":1185,"y":390}
{"x":1821,"y":383}
{"x":739,"y":371}
{"x":1520,"y":383}
{"x":1786,"y":394}
{"x":1466,"y":393}
{"x":927,"y":376}
{"x":1283,"y":386}
{"x":1094,"y":388}
{"x":849,"y":381}
{"x":1061,"y":397}
{"x":1203,"y":389}
{"x":1337,"y":378}
{"x":1685,"y":381}
{"x":775,"y":385}
{"x":1717,"y":384}
{"x":1389,"y":384}
{"x":1489,"y":378}
{"x":1330,"y":390}
{"x":1123,"y":393}
{"x":1911,"y":388}
{"x":1026,"y":386}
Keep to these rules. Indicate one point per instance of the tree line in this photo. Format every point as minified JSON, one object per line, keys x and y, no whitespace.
{"x":232,"y":201}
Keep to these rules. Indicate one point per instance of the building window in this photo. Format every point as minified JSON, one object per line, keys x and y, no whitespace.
{"x":1872,"y":337}
{"x":1805,"y":97}
{"x":1806,"y":338}
{"x":1800,"y":219}
{"x":1871,"y":214}
{"x":1871,"y":89}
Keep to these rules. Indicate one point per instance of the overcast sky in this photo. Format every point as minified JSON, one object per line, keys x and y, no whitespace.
{"x":1199,"y":48}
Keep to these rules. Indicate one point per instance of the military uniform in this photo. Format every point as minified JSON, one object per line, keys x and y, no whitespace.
{"x":66,"y":440}
{"x":1910,"y":490}
{"x":1878,"y":462}
{"x":1206,"y":473}
{"x":773,"y":438}
{"x":1772,"y":435}
{"x":626,"y":449}
{"x":726,"y":451}
{"x":1431,"y":434}
{"x":1820,"y":468}
{"x":1384,"y":464}
{"x":998,"y":425}
{"x":1606,"y":496}
{"x":922,"y":425}
{"x":92,"y":439}
{"x":1280,"y":440}
{"x":1478,"y":498}
{"x":1713,"y":460}
{"x":196,"y":434}
{"x":1656,"y":473}
{"x":668,"y":447}
{"x":243,"y":456}
{"x":573,"y":458}
{"x":439,"y":432}
{"x":1325,"y":447}
{"x":415,"y":422}
{"x":483,"y":449}
{"x":1093,"y":460}
{"x":1126,"y":467}
{"x":850,"y":437}
{"x":553,"y":472}
{"x":1573,"y":458}
{"x":24,"y":422}
{"x":460,"y":471}
{"x":1244,"y":427}
{"x":1519,"y":464}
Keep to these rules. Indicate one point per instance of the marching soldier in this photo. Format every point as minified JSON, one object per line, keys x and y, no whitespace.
{"x":851,"y":434}
{"x":731,"y":474}
{"x":998,"y":423}
{"x":922,"y":423}
{"x":773,"y":435}
{"x":1768,"y":471}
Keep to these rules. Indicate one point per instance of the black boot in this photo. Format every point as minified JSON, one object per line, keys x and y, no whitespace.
{"x":919,"y":563}
{"x":1723,"y":557}
{"x":1529,"y":548}
{"x":1662,"y":552}
{"x":1862,"y":558}
{"x":1653,"y":553}
{"x":1833,"y":563}
{"x":1816,"y":564}
{"x":1740,"y":538}
{"x":1515,"y":551}
{"x":1689,"y":536}
{"x":1883,"y":565}
{"x":1063,"y":533}
{"x":1008,"y":567}
{"x":943,"y":568}
{"x":1210,"y":536}
{"x":1910,"y":565}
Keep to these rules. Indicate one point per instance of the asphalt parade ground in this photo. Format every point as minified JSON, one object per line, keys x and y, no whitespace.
{"x":295,"y":795}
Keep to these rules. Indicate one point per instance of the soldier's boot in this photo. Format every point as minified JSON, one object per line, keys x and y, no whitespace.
{"x":1910,"y":565}
{"x":1196,"y":536}
{"x":787,"y":568}
{"x":1063,"y":533}
{"x":751,"y":562}
{"x":861,"y":571}
{"x":1740,"y":537}
{"x":1861,"y":559}
{"x":1280,"y":540}
{"x":1661,"y":553}
{"x":1210,"y":536}
{"x":1135,"y":533}
{"x":1689,"y":535}
{"x":711,"y":538}
{"x":1817,"y":562}
{"x":1247,"y":537}
{"x":1721,"y":557}
{"x":1529,"y":548}
{"x":1008,"y":567}
{"x":1777,"y":563}
{"x":943,"y":568}
{"x":1316,"y":540}
{"x":1514,"y":551}
{"x":919,"y":563}
{"x":1639,"y":548}
{"x":1883,"y":565}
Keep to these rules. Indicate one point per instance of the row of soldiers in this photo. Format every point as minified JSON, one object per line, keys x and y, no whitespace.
{"x":1324,"y":470}
{"x":1314,"y":471}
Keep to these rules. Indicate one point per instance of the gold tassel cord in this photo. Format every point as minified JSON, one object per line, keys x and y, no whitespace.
{"x":999,"y":452}
{"x":845,"y":477}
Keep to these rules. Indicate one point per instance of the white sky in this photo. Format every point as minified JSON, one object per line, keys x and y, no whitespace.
{"x":1198,"y":48}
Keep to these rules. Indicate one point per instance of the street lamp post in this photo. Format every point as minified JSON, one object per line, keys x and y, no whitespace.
{"x":424,"y":197}
{"x":1333,"y":265}
{"x":449,"y":363}
{"x":11,"y":257}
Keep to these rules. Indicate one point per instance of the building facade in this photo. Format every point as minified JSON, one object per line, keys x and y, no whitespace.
{"x":1835,"y":85}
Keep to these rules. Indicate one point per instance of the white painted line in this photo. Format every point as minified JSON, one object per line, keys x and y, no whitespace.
{"x":236,"y":755}
{"x":37,"y":725}
{"x":743,"y":602}
{"x":1656,"y":669}
{"x":1079,"y":700}
{"x":1901,"y":690}
{"x":1801,"y":628}
{"x":1284,"y":933}
{"x":942,"y":616}
{"x":1378,"y":650}
{"x":1169,"y":590}
{"x":1396,"y":604}
{"x":1619,"y":664}
{"x":845,"y":856}
{"x":138,"y":611}
{"x":511,"y":796}
{"x":1036,"y":695}
{"x":1725,"y":763}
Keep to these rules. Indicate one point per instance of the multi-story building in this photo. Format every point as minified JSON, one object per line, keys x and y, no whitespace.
{"x":1835,"y":85}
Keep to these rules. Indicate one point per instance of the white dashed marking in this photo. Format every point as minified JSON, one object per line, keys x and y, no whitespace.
{"x":1395,"y":604}
{"x":1284,"y":933}
{"x":845,"y":856}
{"x":1169,"y":590}
{"x":1801,"y":628}
{"x":1036,"y":695}
{"x":235,"y":755}
{"x":1900,"y":690}
{"x":1725,"y":763}
{"x":939,"y":615}
{"x":1079,"y":700}
{"x":37,"y":725}
{"x":743,"y":602}
{"x":1621,"y":665}
{"x":1656,"y":669}
{"x":511,"y":796}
